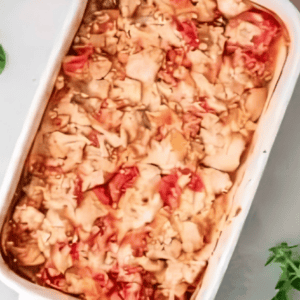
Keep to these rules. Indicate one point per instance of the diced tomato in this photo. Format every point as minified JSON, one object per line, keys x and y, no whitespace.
{"x":93,"y":138}
{"x":189,"y":32}
{"x":137,"y":241}
{"x":78,"y":190}
{"x":74,"y":251}
{"x":170,"y":191}
{"x":107,"y":233}
{"x":112,"y":191}
{"x":196,"y":184}
{"x":73,"y":64}
{"x":191,"y":124}
{"x":123,"y":180}
{"x":132,"y":291}
{"x":255,"y":56}
{"x":57,"y":281}
{"x":205,"y":106}
{"x":175,"y":57}
{"x":265,"y":22}
{"x":101,"y":279}
{"x":103,"y":194}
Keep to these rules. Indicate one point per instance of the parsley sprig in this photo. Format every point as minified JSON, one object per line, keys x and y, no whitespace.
{"x":290,"y":266}
{"x":2,"y":59}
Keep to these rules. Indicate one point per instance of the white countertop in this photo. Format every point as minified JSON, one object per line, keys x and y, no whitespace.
{"x":28,"y":29}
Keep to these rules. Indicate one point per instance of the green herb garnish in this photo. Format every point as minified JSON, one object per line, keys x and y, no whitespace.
{"x":2,"y":59}
{"x":290,"y":266}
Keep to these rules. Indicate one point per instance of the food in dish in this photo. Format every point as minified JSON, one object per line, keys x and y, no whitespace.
{"x":151,"y":115}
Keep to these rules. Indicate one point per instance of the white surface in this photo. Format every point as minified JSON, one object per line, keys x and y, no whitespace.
{"x":28,"y":297}
{"x":28,"y":29}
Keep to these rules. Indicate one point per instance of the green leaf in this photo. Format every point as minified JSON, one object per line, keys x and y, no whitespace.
{"x":280,"y":259}
{"x":281,"y":295}
{"x":271,"y":258}
{"x":280,"y":284}
{"x":296,"y":284}
{"x":291,"y":269}
{"x":2,"y":59}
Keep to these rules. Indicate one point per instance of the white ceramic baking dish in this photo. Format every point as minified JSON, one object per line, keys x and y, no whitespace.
{"x":248,"y":177}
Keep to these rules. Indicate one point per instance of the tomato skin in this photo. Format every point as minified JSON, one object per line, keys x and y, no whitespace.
{"x":73,"y":64}
{"x":103,"y":194}
{"x":196,"y":184}
{"x":123,"y":180}
{"x":112,"y":191}
{"x":93,"y":138}
{"x":137,"y":241}
{"x":78,"y":190}
{"x":74,"y":251}
{"x":189,"y":33}
{"x":170,"y":191}
{"x":269,"y":27}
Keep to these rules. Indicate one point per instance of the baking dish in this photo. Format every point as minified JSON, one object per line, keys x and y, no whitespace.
{"x":240,"y":172}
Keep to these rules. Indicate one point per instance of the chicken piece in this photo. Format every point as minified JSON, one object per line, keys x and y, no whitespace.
{"x":131,"y":125}
{"x":227,"y":157}
{"x":128,"y":7}
{"x":206,"y":89}
{"x":179,"y":144}
{"x":243,"y":34}
{"x":61,"y":258}
{"x":255,"y":102}
{"x":127,"y":89}
{"x":74,"y":111}
{"x":163,"y":155}
{"x":199,"y":61}
{"x":29,"y":255}
{"x":232,"y":8}
{"x":178,"y":273}
{"x":139,"y":208}
{"x":28,"y":216}
{"x":220,"y":182}
{"x":149,"y":264}
{"x":151,"y":97}
{"x":53,"y":231}
{"x":34,"y":191}
{"x":150,"y":60}
{"x":59,"y":191}
{"x":149,"y":177}
{"x":98,"y":88}
{"x":205,"y":9}
{"x":142,"y":34}
{"x":232,"y":80}
{"x":88,"y":211}
{"x":91,"y":105}
{"x":209,"y":120}
{"x":69,"y":148}
{"x":100,"y":68}
{"x":190,"y":236}
{"x":90,"y":176}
